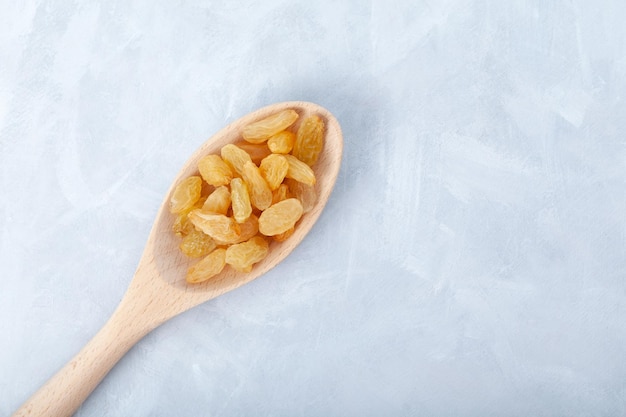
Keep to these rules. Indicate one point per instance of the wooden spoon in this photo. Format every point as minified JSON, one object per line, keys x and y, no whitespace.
{"x":159,"y":291}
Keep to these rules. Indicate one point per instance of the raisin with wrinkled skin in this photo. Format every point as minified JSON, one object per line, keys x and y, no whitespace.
{"x":220,"y":227}
{"x":242,"y":256}
{"x":282,"y":142}
{"x":263,"y":129}
{"x":248,"y":229}
{"x":260,"y":193}
{"x":208,"y":267}
{"x":215,"y":171}
{"x":273,"y":168}
{"x":235,"y":157}
{"x":218,"y":201}
{"x":197,"y":244}
{"x":240,"y":197}
{"x":309,"y":140}
{"x":279,"y":217}
{"x":300,"y":171}
{"x":182,"y":226}
{"x":186,"y":194}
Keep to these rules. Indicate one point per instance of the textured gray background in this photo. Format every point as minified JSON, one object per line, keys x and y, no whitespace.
{"x":471,"y":261}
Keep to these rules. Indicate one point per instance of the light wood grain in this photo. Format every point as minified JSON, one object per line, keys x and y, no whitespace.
{"x":159,"y":291}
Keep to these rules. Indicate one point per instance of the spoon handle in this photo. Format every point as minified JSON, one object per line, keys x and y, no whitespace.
{"x":70,"y":386}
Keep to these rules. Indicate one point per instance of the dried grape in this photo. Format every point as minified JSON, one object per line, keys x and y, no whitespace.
{"x":235,"y":157}
{"x":242,"y":256}
{"x":261,"y":130}
{"x":300,"y":171}
{"x":255,"y":189}
{"x":240,"y":200}
{"x":214,"y":170}
{"x":260,"y":193}
{"x":197,"y":244}
{"x":208,"y":267}
{"x":282,"y":142}
{"x":218,"y":201}
{"x":309,"y":140}
{"x":273,"y":168}
{"x":220,"y":227}
{"x":186,"y":193}
{"x":182,"y":226}
{"x":279,"y":217}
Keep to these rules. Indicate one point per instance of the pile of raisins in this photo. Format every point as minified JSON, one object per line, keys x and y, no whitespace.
{"x":256,"y":190}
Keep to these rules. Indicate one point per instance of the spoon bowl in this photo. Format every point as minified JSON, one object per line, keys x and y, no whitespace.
{"x":159,"y":291}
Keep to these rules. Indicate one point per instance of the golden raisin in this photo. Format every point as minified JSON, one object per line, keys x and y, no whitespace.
{"x":235,"y":157}
{"x":208,"y":267}
{"x":261,"y":130}
{"x":303,"y":192}
{"x":273,"y":168}
{"x":186,"y":193}
{"x":197,"y":244}
{"x":214,"y":170}
{"x":255,"y":177}
{"x":242,"y":256}
{"x":282,"y":142}
{"x":260,"y":193}
{"x":182,"y":226}
{"x":300,"y":171}
{"x":240,"y":199}
{"x":309,"y":140}
{"x":218,"y":201}
{"x":220,"y":227}
{"x":280,"y":217}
